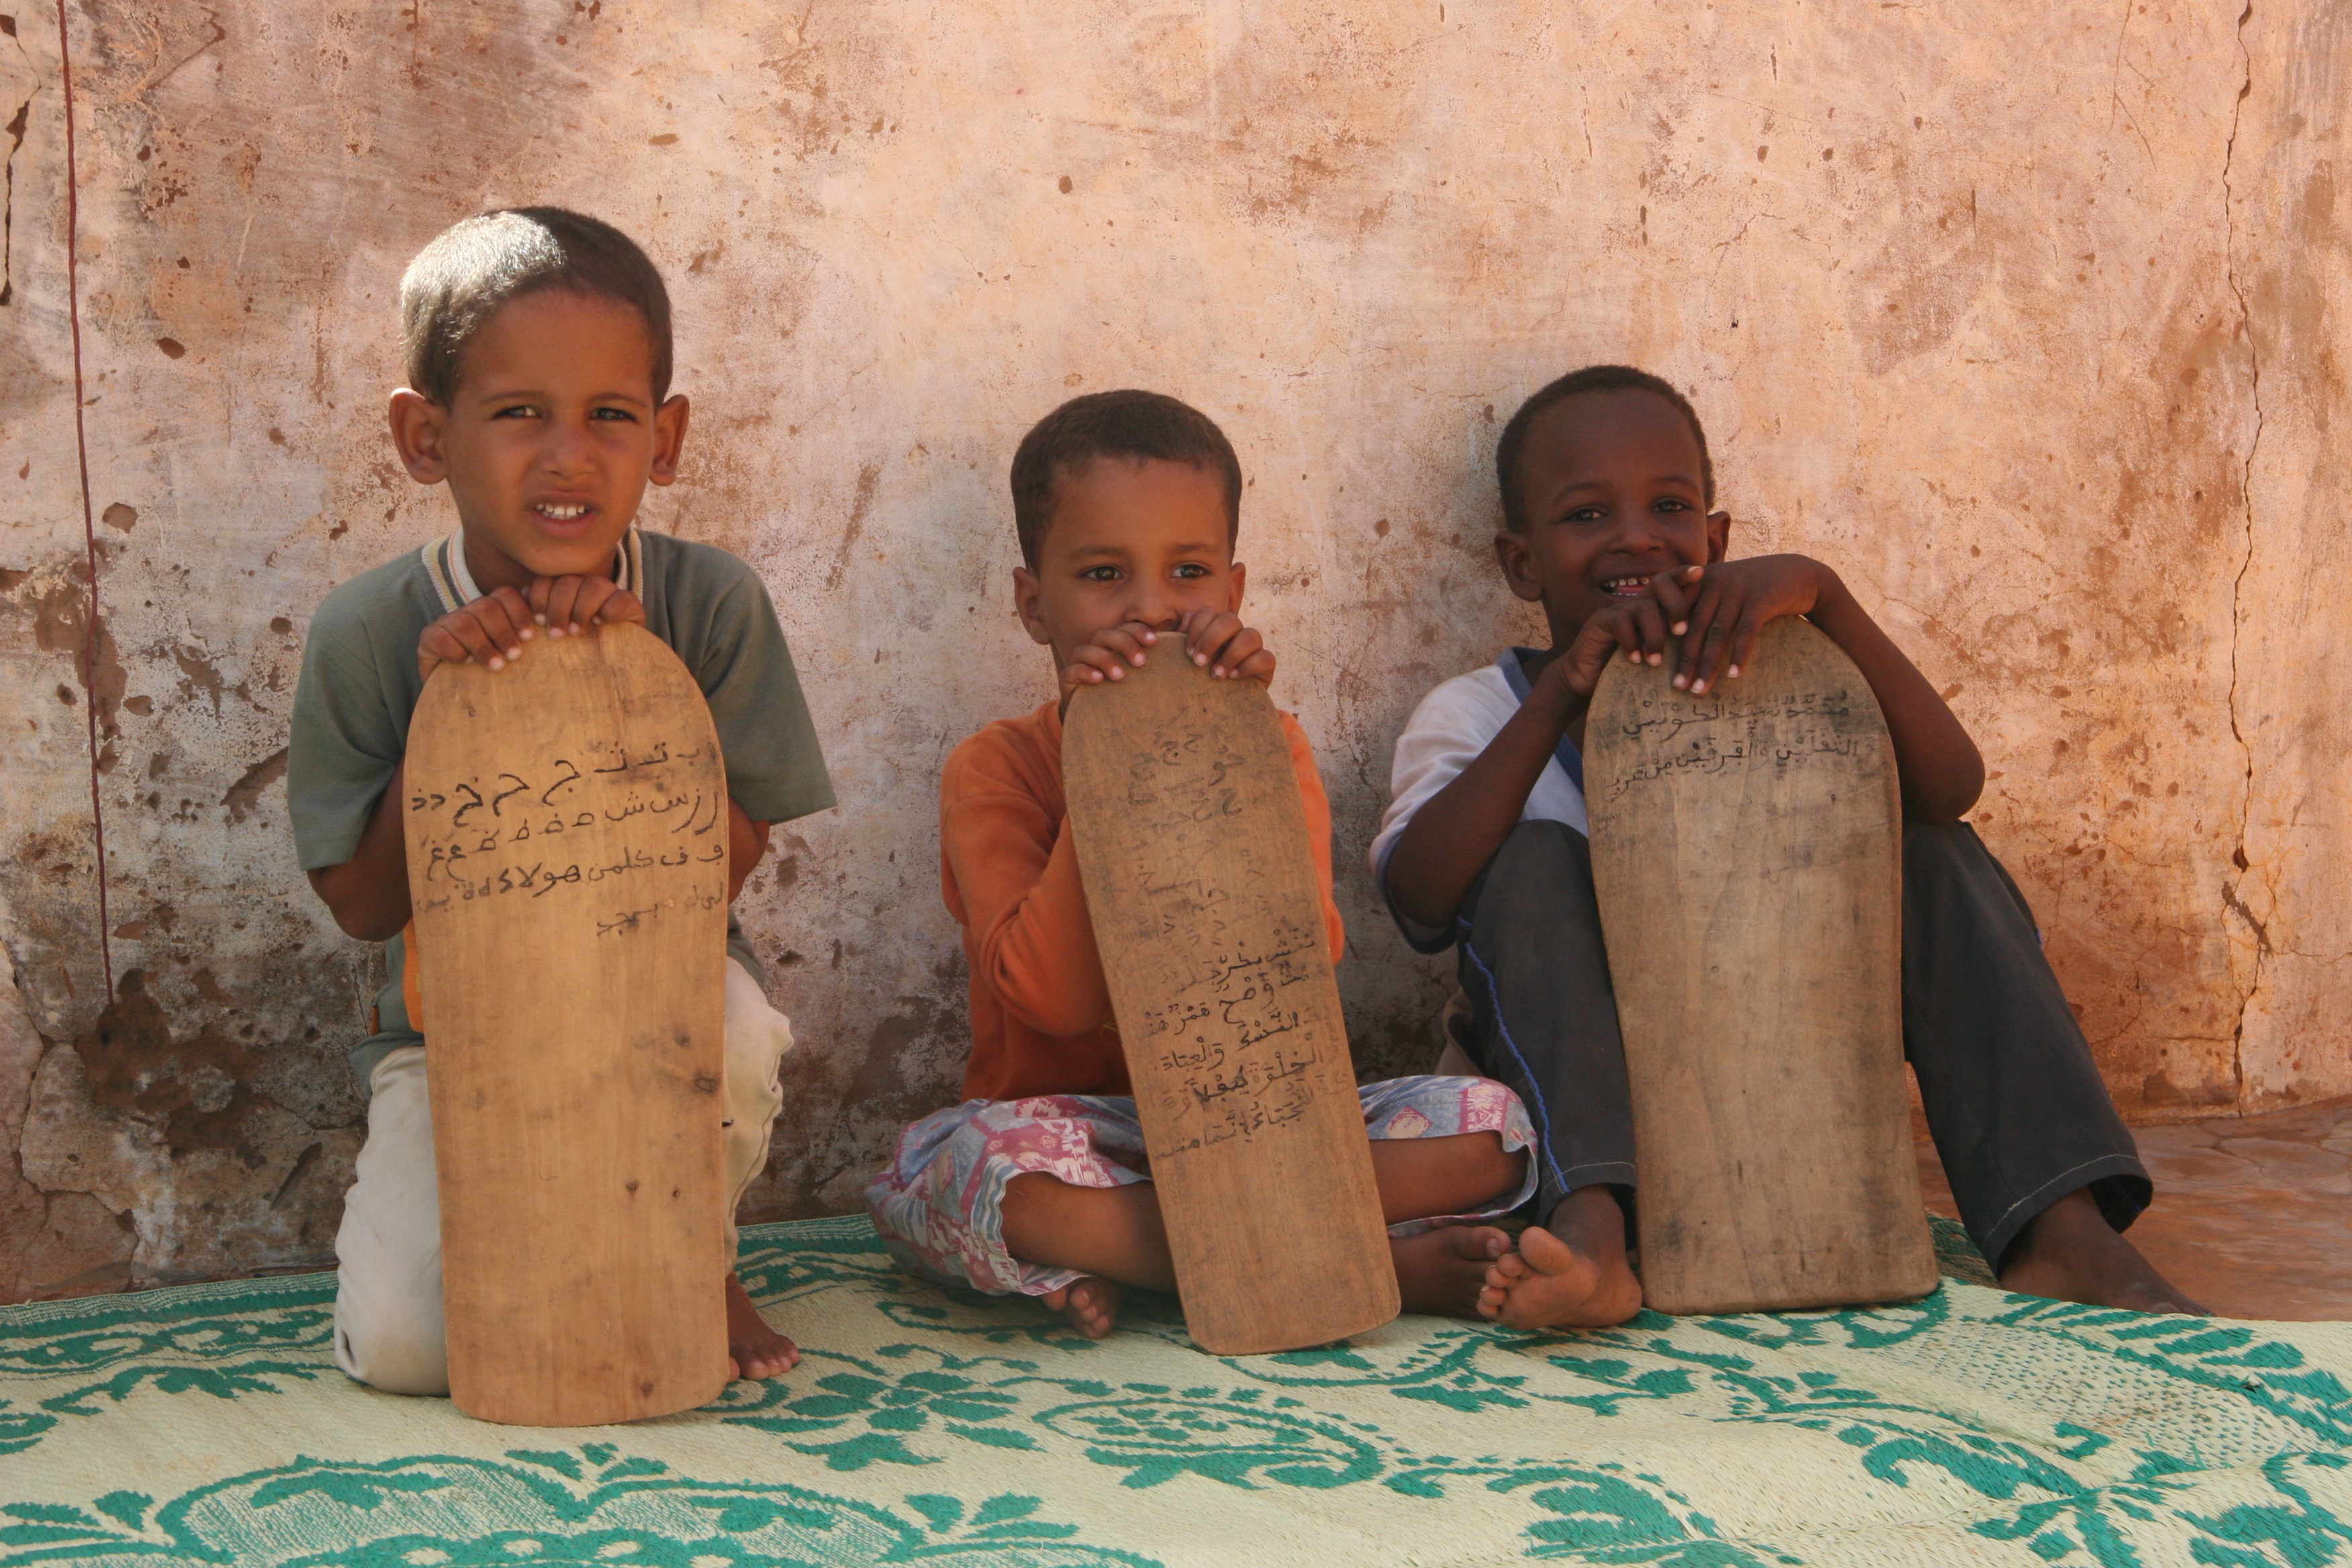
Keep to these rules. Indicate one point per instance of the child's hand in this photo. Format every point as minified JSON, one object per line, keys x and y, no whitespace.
{"x":1106,"y":656}
{"x":492,"y":629}
{"x":1213,"y":637}
{"x":1638,"y":627}
{"x":574,"y":603}
{"x":1231,"y":650}
{"x":1718,"y":622}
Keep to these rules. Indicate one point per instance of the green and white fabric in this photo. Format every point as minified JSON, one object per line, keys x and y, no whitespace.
{"x":209,"y":1424}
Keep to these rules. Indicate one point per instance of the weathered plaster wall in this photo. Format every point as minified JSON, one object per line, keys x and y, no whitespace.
{"x":2029,"y":324}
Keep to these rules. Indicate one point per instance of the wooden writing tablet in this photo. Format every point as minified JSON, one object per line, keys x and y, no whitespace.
{"x":1746,"y":851}
{"x":1208,"y":912}
{"x":567,"y":864}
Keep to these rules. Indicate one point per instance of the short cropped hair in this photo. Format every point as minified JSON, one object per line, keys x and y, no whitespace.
{"x":1591,"y":378}
{"x":480,"y":263}
{"x":1127,"y":423}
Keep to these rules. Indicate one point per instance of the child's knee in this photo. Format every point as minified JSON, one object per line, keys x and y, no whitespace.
{"x":1543,"y":861}
{"x":757,"y":1039}
{"x":393,"y":1340}
{"x":1546,"y":844}
{"x":1933,"y":846}
{"x":1946,"y":867}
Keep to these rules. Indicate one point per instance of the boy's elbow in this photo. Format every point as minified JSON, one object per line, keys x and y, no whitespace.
{"x":355,"y":916}
{"x":1068,"y":1007}
{"x":1063,"y":1021}
{"x":1408,"y":896}
{"x":364,"y":925}
{"x":1064,"y":1008}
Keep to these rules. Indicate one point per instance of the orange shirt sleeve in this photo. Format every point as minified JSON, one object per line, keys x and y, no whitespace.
{"x":1026,"y":931}
{"x":1318,"y":827}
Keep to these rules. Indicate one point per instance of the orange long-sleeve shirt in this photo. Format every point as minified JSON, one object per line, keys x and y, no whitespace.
{"x":1041,"y":1013}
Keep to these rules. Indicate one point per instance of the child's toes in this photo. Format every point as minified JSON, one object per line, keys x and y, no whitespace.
{"x":763,"y":1355}
{"x":1090,"y":1305}
{"x":1483,"y":1241}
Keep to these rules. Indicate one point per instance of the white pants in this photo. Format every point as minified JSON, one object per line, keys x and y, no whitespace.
{"x":388,"y":1331}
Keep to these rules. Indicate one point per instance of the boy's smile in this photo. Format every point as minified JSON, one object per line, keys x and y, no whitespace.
{"x":1614,"y":495}
{"x":550,"y":438}
{"x":1131,"y":541}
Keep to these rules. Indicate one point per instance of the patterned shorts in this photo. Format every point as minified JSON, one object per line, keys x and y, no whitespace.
{"x":939,"y":1205}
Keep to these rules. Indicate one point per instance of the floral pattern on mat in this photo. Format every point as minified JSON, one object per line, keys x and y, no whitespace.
{"x":206,"y":1424}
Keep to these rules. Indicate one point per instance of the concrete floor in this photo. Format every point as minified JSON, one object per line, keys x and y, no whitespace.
{"x":2251,"y":1216}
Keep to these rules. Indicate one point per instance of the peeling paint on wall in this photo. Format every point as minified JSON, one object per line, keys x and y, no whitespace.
{"x":2031,"y":326}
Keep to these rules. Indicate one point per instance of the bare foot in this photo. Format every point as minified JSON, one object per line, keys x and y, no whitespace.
{"x":1091,"y":1304}
{"x":1442,"y":1272}
{"x":2070,"y":1253}
{"x":1568,"y":1274}
{"x":754,"y":1350}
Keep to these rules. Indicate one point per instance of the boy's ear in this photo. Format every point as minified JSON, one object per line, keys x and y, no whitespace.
{"x":1239,"y":581}
{"x":418,"y":425}
{"x":1719,"y":535}
{"x":669,"y":438}
{"x":1518,"y":560}
{"x":1028,"y":595}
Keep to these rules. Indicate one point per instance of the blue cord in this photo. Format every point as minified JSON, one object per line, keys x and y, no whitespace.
{"x":1543,"y":1115}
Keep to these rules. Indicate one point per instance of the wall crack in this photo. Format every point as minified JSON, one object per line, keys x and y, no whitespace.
{"x":8,"y":199}
{"x":2233,"y":897}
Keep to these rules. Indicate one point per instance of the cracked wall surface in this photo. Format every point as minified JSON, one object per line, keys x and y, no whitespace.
{"x":2028,"y":324}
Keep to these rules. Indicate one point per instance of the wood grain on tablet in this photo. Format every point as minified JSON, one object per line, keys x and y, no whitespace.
{"x":567,"y":862}
{"x":1747,"y":850}
{"x":1208,"y":912}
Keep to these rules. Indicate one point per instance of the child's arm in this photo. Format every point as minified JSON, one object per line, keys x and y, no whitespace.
{"x":1014,"y":876}
{"x":1015,"y":870}
{"x":1457,"y":830}
{"x":1717,"y":610}
{"x":747,"y":841}
{"x":368,"y":894}
{"x":1941,"y":771}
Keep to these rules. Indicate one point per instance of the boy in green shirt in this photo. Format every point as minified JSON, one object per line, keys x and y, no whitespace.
{"x":538,"y":350}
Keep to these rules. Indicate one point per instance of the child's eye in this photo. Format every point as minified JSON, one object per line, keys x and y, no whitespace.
{"x":1192,"y":570}
{"x":612,"y":413}
{"x":1587,"y":514}
{"x":518,"y":411}
{"x":1670,"y":503}
{"x":1100,"y":574}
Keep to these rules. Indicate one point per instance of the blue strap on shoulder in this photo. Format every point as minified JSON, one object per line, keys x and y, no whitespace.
{"x":1571,"y":760}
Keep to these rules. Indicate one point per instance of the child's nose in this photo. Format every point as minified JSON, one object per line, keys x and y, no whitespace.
{"x":1155,"y":609}
{"x":566,"y":448}
{"x":1638,"y":530}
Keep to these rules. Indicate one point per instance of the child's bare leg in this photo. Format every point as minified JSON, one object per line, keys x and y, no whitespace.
{"x":1113,"y":1234}
{"x":1116,"y":1237}
{"x":1569,"y":1272}
{"x":1442,"y":1272}
{"x":756,"y":1350}
{"x":2069,"y":1252}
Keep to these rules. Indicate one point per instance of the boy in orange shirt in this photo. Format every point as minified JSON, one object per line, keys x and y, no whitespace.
{"x":1128,"y":504}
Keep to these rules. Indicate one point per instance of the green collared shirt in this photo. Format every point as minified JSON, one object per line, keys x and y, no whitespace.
{"x":360,"y":685}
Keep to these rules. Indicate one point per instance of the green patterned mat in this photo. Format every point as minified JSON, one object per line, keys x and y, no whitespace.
{"x":207,"y":1423}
